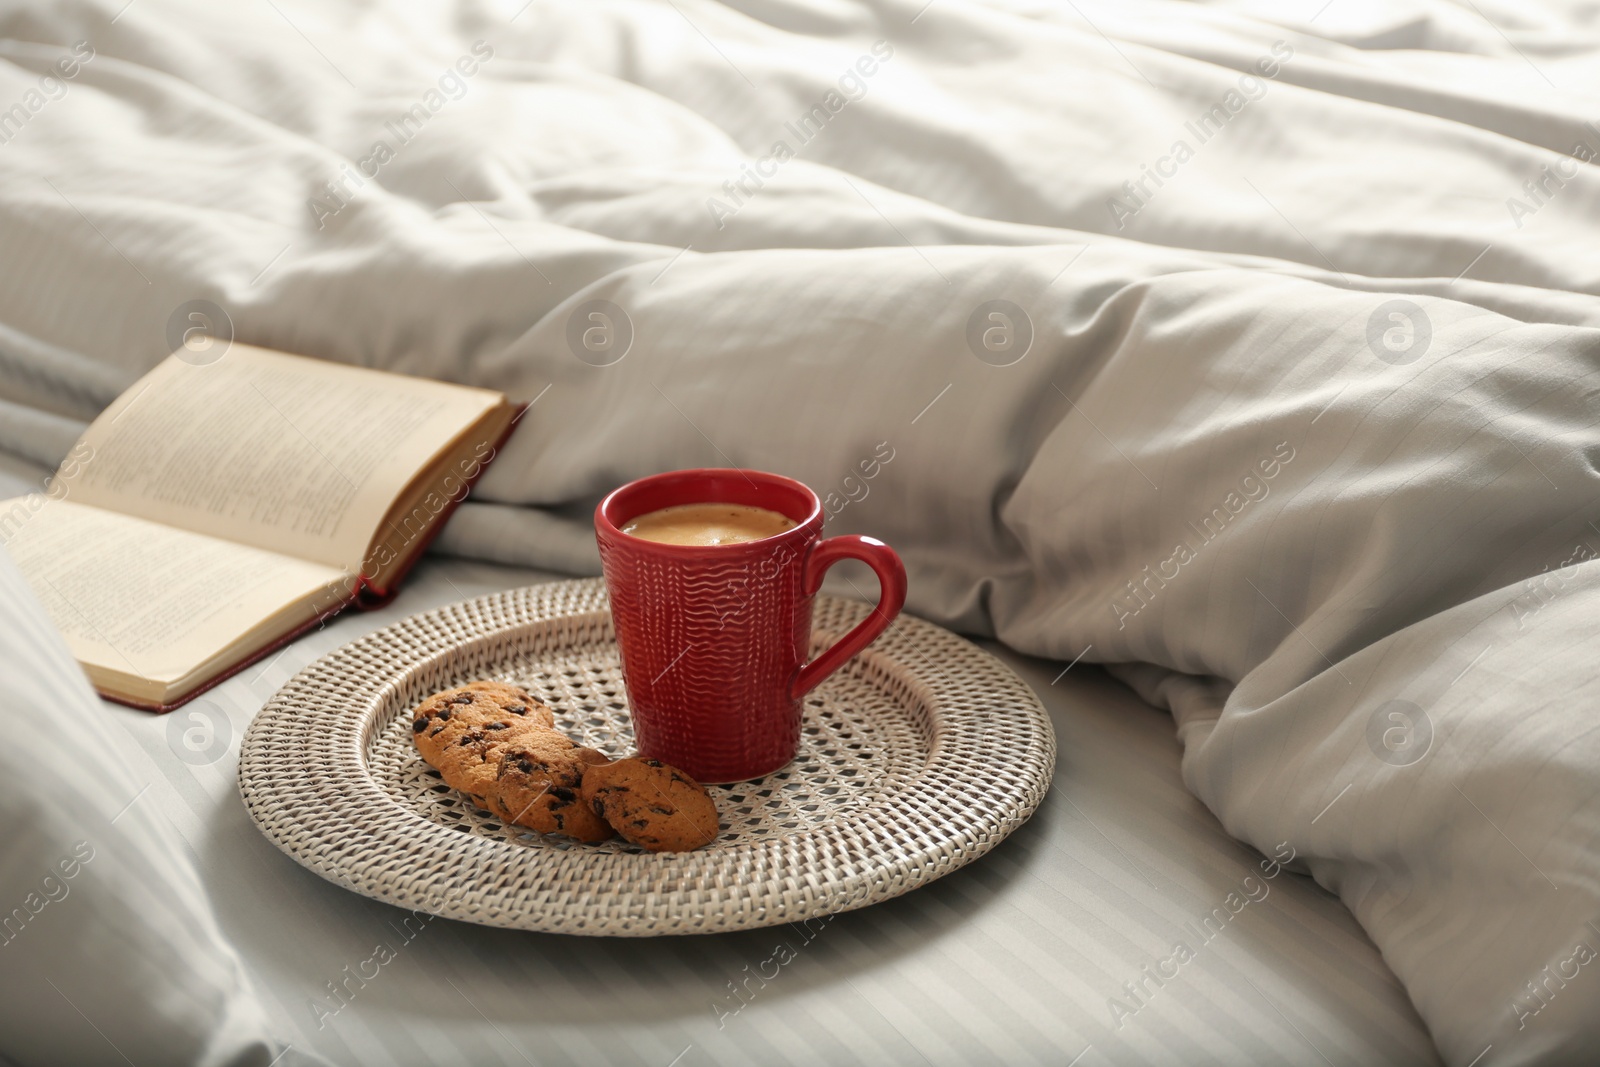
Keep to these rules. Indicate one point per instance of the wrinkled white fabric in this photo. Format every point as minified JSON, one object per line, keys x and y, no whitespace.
{"x":109,"y":952}
{"x":1304,"y":428}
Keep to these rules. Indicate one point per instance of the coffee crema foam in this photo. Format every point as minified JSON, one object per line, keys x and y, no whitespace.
{"x":708,"y":524}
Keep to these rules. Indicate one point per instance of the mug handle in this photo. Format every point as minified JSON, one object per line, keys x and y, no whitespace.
{"x":891,"y":598}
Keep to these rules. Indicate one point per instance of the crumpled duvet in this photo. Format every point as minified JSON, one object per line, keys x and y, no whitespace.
{"x":1251,"y":348}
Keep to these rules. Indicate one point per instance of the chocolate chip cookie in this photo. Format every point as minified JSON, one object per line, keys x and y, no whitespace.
{"x":538,"y":786}
{"x":651,"y":804}
{"x":471,"y":762}
{"x":440,"y":720}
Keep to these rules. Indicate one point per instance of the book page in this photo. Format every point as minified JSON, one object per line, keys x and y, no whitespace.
{"x":288,"y":454}
{"x":150,"y":601}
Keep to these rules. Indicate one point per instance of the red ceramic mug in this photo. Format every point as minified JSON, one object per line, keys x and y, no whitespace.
{"x":714,"y":638}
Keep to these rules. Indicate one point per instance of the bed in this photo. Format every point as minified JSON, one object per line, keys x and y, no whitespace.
{"x":1243,"y":355}
{"x":1018,"y":959}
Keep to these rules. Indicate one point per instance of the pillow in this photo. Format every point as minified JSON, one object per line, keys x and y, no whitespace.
{"x":109,"y":952}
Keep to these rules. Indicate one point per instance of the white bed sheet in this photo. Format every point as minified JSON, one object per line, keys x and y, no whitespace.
{"x":1017,"y":959}
{"x":1353,"y":328}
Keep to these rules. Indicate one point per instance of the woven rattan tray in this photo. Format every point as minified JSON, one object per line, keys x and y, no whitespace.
{"x":916,"y":758}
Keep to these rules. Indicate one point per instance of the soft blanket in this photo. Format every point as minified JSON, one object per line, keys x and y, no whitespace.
{"x":1251,"y":347}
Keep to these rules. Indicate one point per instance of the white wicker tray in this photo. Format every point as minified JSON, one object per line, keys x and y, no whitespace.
{"x":916,"y":758}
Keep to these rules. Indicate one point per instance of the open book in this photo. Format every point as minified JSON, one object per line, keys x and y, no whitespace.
{"x":216,"y":511}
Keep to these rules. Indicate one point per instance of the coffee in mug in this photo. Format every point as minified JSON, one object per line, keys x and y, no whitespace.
{"x":708,"y":524}
{"x":711,"y":574}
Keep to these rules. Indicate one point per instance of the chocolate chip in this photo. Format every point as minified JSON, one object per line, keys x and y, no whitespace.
{"x":526,"y":766}
{"x":420,"y":725}
{"x":641,"y":823}
{"x":562,"y":793}
{"x":651,"y":762}
{"x":462,"y":698}
{"x":444,"y":715}
{"x":516,"y":709}
{"x":659,"y":810}
{"x":496,"y":726}
{"x":599,"y":807}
